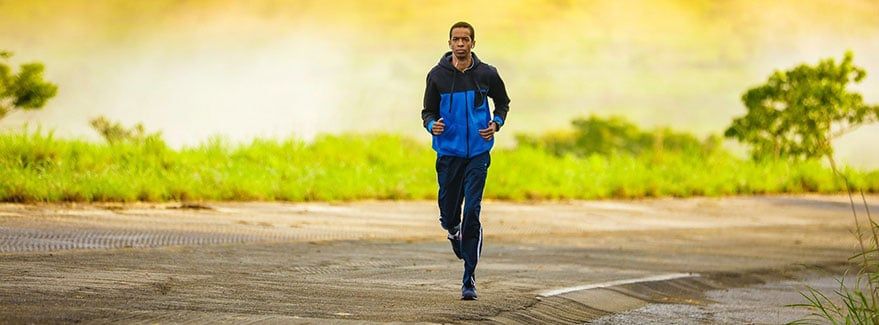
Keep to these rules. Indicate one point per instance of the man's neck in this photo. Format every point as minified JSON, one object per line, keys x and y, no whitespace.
{"x":464,"y":64}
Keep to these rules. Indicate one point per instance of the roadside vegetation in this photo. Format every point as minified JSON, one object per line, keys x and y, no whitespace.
{"x":35,"y":166}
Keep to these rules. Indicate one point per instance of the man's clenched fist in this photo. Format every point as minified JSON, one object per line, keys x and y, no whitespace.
{"x":488,"y":133}
{"x":438,"y":127}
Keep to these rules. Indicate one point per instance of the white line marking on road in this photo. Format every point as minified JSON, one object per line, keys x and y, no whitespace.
{"x":654,"y":278}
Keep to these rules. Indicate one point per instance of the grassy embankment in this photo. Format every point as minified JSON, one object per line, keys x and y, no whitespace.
{"x":35,"y":166}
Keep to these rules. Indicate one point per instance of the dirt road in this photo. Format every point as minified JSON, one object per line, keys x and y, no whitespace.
{"x":389,"y":261}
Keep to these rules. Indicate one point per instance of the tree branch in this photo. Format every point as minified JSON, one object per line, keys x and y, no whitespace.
{"x":851,"y":128}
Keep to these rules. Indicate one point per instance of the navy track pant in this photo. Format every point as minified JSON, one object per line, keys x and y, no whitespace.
{"x":461,"y":180}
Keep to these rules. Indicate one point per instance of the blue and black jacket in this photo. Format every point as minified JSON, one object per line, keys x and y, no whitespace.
{"x":460,"y":99}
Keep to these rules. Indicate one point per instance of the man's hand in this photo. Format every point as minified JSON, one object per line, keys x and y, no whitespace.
{"x":438,"y":127}
{"x":488,"y":132}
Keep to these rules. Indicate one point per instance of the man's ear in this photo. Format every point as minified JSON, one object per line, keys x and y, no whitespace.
{"x":473,"y":44}
{"x":450,"y":45}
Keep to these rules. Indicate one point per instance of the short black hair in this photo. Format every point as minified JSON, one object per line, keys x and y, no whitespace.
{"x":463,"y":24}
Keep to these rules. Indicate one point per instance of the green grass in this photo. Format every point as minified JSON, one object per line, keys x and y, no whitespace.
{"x":36,"y":167}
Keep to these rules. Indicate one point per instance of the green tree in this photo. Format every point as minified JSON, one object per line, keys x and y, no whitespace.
{"x":797,"y":113}
{"x":26,"y":90}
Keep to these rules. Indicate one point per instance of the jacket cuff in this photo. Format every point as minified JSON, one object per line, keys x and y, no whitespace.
{"x":430,"y":127}
{"x":499,"y":121}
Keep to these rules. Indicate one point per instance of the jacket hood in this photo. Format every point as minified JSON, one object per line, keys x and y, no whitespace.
{"x":446,"y":61}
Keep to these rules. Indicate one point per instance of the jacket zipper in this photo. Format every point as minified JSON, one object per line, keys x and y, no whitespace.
{"x":467,"y":104}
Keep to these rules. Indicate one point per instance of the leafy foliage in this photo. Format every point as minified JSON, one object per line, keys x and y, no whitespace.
{"x":797,"y":113}
{"x":615,"y":135}
{"x":26,"y":90}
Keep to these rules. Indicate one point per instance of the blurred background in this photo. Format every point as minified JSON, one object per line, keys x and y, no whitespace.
{"x":194,"y":69}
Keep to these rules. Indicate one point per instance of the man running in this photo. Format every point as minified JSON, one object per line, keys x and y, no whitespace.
{"x":456,"y":113}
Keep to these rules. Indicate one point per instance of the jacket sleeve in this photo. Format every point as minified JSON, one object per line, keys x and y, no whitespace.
{"x":498,"y":93}
{"x":430,"y":112}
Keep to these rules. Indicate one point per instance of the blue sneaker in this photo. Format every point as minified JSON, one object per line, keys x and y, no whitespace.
{"x":468,"y":293}
{"x":456,"y":242}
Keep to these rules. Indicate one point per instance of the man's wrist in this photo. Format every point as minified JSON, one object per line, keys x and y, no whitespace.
{"x":498,"y":122}
{"x":430,"y":126}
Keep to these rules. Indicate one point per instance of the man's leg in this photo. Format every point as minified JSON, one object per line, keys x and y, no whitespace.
{"x":471,"y":230}
{"x":450,"y":176}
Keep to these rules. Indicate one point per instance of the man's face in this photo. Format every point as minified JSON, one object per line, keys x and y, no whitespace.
{"x":461,"y":42}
